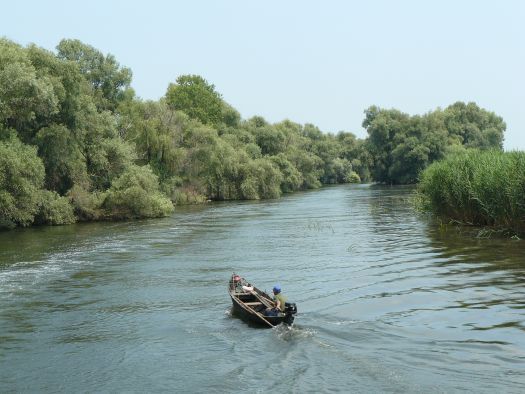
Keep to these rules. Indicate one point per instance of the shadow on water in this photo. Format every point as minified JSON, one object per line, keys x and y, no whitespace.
{"x":393,"y":212}
{"x":28,"y":244}
{"x":494,"y":254}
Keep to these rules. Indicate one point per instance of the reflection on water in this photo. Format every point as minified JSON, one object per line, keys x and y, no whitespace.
{"x":388,"y":301}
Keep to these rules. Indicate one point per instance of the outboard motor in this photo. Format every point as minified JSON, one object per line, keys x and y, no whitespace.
{"x":290,"y":309}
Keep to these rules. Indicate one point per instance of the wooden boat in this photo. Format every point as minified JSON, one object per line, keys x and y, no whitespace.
{"x":250,"y":303}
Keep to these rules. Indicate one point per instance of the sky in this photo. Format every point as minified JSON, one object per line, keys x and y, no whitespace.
{"x":319,"y":62}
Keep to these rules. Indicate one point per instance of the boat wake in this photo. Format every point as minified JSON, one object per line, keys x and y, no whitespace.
{"x":294,"y":332}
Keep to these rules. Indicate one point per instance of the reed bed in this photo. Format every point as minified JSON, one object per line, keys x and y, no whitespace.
{"x":485,"y":188}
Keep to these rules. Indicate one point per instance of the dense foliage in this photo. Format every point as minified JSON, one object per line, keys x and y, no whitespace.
{"x":402,"y":145}
{"x":60,"y":146}
{"x":76,"y":144}
{"x":481,"y":188}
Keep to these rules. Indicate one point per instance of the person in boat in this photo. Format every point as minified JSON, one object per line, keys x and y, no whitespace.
{"x":240,"y":285}
{"x":237,"y":283}
{"x":279,"y":300}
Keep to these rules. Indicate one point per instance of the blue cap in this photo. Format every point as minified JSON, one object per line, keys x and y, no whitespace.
{"x":277,"y":288}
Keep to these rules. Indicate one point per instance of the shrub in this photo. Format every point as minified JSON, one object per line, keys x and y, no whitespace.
{"x":54,"y":209}
{"x":353,"y":177}
{"x":135,"y":194}
{"x":187,"y":196}
{"x":87,"y":205}
{"x":261,"y":179}
{"x":21,"y":179}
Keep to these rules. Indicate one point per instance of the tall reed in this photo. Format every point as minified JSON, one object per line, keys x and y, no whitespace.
{"x":478,"y":187}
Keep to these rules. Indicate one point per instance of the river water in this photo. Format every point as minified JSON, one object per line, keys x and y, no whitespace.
{"x":388,"y":301}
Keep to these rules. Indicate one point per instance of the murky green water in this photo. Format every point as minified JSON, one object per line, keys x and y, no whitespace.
{"x":388,"y":302}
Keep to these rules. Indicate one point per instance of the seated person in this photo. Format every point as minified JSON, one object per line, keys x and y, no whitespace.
{"x":237,"y":283}
{"x":279,"y":300}
{"x":240,"y":285}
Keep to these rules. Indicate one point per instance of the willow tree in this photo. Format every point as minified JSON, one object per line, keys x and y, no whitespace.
{"x":194,"y":96}
{"x":474,"y":126}
{"x":109,"y":81}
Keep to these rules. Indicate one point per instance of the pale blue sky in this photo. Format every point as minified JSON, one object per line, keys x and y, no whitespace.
{"x":320,"y":62}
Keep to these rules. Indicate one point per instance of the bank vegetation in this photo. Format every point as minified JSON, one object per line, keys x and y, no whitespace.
{"x":482,"y":188}
{"x":77,"y":144}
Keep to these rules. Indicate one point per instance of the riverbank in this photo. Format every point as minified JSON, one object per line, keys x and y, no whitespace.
{"x":83,"y":147}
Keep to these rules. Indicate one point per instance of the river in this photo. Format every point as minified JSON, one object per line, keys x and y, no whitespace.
{"x":388,"y":301}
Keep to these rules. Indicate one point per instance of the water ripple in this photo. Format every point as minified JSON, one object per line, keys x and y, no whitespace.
{"x":387,"y":301}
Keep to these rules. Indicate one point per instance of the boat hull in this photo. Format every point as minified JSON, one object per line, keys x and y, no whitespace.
{"x":240,"y":311}
{"x":251,"y":303}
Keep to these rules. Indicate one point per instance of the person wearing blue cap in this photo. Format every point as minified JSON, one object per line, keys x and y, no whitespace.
{"x":279,"y":300}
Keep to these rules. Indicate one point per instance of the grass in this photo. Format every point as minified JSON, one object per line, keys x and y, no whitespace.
{"x":485,"y":188}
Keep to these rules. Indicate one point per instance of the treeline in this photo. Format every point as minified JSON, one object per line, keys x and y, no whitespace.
{"x":62,"y":155}
{"x":401,"y":146}
{"x":77,"y":144}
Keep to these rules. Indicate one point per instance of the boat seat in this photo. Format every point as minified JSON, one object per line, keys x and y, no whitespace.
{"x":253,"y":303}
{"x":244,"y":296}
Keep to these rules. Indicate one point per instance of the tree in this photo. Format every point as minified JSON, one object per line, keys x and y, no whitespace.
{"x":21,"y":180}
{"x":270,"y":140}
{"x":309,"y":166}
{"x":386,"y":129}
{"x":230,"y":116}
{"x":54,"y":209}
{"x":194,"y":96}
{"x":220,"y":167}
{"x":292,"y":179}
{"x":475,"y":126}
{"x":25,"y":96}
{"x":63,"y":162}
{"x":135,"y":194}
{"x":70,"y":86}
{"x":402,"y":146}
{"x":355,"y":151}
{"x":109,"y":81}
{"x":328,"y":149}
{"x":260,"y":179}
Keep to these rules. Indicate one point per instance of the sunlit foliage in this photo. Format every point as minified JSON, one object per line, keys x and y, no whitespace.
{"x":76,"y":144}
